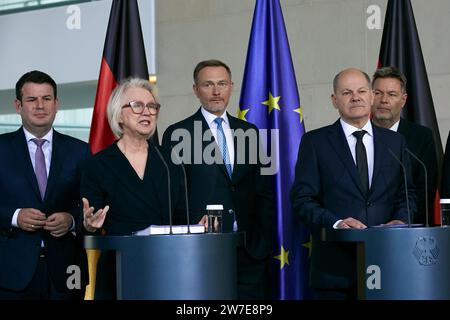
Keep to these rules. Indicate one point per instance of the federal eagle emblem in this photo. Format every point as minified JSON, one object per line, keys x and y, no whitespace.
{"x":426,"y":251}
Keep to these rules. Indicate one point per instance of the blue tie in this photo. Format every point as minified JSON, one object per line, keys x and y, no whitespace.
{"x":222,"y":142}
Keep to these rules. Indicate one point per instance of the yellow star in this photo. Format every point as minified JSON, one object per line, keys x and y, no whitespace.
{"x":272,"y":103}
{"x":283,"y":257}
{"x":308,"y":245}
{"x":300,"y":112}
{"x":241,"y":113}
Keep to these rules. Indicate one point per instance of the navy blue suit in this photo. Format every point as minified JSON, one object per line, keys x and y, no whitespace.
{"x":327,"y":188}
{"x":19,"y":249}
{"x":246,"y":195}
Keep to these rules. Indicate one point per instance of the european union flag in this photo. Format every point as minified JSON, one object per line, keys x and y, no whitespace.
{"x":270,"y":100}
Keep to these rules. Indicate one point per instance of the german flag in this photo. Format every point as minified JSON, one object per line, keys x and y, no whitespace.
{"x":123,"y":57}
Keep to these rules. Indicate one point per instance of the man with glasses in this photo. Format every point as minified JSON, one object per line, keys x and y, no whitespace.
{"x":231,"y":180}
{"x":40,"y":171}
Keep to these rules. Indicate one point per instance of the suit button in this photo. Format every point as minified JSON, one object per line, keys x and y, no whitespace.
{"x":233,"y":188}
{"x":231,"y":211}
{"x":369,"y":204}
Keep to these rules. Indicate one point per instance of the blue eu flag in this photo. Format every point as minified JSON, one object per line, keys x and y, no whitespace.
{"x":270,"y":100}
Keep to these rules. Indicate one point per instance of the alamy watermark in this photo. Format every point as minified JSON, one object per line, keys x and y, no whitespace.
{"x":73,"y":22}
{"x":249,"y":147}
{"x":373,"y":281}
{"x":373,"y":21}
{"x":74,"y":279}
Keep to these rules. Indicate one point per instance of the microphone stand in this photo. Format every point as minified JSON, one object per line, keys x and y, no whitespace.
{"x":426,"y":184}
{"x":406,"y":185}
{"x":168,"y":187}
{"x":185,"y":186}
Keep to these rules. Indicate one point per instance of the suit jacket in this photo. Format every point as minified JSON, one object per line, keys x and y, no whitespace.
{"x":327,"y":188}
{"x":19,"y":250}
{"x":109,"y":179}
{"x":420,"y":141}
{"x":445,"y":182}
{"x":247,"y":195}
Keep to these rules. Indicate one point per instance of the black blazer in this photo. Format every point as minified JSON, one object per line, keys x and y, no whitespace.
{"x":109,"y":179}
{"x":420,"y":141}
{"x":247,"y":193}
{"x":327,"y":188}
{"x":19,"y":250}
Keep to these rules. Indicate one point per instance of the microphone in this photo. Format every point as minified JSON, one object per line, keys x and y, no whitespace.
{"x":168,"y":186}
{"x":186,"y":199}
{"x":426,"y":183}
{"x":406,"y":185}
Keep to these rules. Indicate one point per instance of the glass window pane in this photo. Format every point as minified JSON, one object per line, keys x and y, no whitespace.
{"x":23,"y":5}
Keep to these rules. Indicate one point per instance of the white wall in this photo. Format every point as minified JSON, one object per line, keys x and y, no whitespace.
{"x":67,"y":43}
{"x":325,"y":36}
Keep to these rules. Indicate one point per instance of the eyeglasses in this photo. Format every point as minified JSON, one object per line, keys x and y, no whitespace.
{"x":138,"y":107}
{"x":208,"y":85}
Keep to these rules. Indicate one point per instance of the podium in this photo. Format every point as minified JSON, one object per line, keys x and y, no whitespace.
{"x":173,"y":267}
{"x":412,"y":263}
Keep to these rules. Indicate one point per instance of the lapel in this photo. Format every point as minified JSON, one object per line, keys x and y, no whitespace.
{"x":237,"y":167}
{"x":339,"y":143}
{"x":22,"y":154}
{"x":380,"y":152}
{"x":58,"y":158}
{"x":402,"y":127}
{"x":120,"y":167}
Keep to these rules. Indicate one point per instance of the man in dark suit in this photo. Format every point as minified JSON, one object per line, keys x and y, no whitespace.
{"x":389,"y":88}
{"x":346,"y":177}
{"x":226,"y":175}
{"x":40,"y":256}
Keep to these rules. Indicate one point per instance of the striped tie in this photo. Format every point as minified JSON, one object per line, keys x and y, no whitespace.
{"x":222,"y":142}
{"x":39,"y":166}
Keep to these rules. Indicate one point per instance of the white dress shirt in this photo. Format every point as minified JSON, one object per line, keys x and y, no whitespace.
{"x":32,"y":147}
{"x":367,"y":140}
{"x":209,"y":117}
{"x":395,"y":126}
{"x":368,"y":144}
{"x":47,"y":149}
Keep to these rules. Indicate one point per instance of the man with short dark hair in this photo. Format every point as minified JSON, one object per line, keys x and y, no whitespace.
{"x":389,"y":88}
{"x":41,"y":257}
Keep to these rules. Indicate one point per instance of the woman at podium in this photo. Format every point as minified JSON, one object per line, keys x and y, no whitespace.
{"x":125,"y":187}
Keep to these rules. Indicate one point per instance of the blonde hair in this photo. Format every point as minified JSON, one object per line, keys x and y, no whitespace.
{"x":114,"y":107}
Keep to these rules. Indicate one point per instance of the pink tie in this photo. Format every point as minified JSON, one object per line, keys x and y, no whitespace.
{"x":39,"y":166}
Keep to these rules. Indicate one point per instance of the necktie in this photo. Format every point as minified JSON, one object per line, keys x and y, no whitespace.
{"x":222,"y":142}
{"x":361,"y":160}
{"x":39,"y":166}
